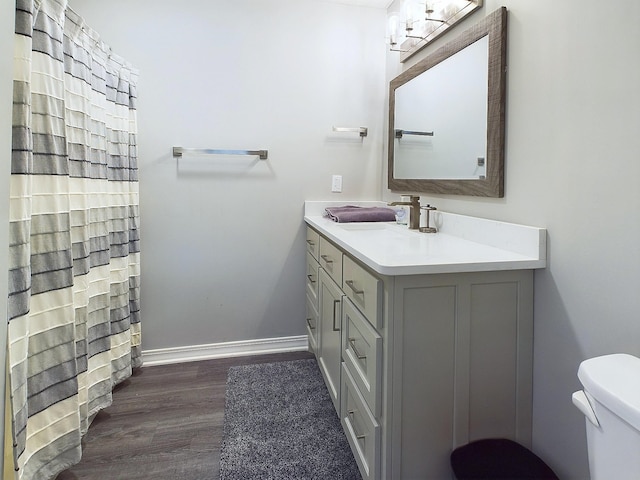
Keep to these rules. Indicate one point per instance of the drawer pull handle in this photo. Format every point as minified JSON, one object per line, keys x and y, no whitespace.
{"x":310,"y":277}
{"x":353,"y":425}
{"x":311,"y":243}
{"x":352,"y":287}
{"x":326,"y":258}
{"x":334,"y":315}
{"x":352,"y":342}
{"x":309,"y":323}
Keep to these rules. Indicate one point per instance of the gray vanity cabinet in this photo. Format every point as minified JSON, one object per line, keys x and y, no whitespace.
{"x":424,"y":363}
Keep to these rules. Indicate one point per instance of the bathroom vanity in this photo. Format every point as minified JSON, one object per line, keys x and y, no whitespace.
{"x":424,"y":340}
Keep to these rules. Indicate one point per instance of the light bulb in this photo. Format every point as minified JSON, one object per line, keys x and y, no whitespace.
{"x":412,"y":13}
{"x":393,"y":25}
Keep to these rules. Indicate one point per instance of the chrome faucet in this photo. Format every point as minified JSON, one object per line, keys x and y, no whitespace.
{"x":414,"y":211}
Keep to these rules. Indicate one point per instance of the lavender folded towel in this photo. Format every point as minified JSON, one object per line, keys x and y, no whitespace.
{"x":351,"y":213}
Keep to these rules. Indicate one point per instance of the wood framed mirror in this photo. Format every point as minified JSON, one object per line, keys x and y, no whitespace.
{"x":447,"y":116}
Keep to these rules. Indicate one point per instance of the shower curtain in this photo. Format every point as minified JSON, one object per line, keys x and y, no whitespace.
{"x":73,"y":307}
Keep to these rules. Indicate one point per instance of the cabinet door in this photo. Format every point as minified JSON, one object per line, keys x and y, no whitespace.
{"x":330,"y":335}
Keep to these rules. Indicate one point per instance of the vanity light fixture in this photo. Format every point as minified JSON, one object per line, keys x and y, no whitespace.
{"x":419,"y":22}
{"x":394,"y":34}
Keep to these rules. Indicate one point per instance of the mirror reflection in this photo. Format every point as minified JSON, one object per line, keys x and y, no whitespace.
{"x":431,"y":112}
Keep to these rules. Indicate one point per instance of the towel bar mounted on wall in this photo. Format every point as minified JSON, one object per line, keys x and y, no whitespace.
{"x":400,"y":133}
{"x":178,"y":151}
{"x":363,"y":131}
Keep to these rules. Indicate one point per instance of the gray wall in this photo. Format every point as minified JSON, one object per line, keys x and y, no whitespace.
{"x":573,"y":118}
{"x":222,"y":247}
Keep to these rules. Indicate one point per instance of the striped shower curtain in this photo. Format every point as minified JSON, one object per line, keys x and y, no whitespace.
{"x":73,"y":311}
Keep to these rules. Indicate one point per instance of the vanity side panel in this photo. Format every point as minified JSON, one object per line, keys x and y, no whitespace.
{"x":492,"y":365}
{"x":501,"y":356}
{"x":461,"y":366}
{"x":426,"y":390}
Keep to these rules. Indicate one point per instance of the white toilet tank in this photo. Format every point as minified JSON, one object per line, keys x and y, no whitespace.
{"x":611,"y":402}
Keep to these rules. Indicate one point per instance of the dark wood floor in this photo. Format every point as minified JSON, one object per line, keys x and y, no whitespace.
{"x":165,"y":423}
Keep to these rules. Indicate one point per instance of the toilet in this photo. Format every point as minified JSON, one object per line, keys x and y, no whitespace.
{"x":610,"y":402}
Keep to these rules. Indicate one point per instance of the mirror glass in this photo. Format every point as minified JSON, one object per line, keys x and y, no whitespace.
{"x":431,"y":111}
{"x":446,"y":116}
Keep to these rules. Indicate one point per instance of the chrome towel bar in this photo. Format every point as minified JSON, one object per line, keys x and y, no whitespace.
{"x":400,"y":133}
{"x":363,"y":131}
{"x":178,"y":151}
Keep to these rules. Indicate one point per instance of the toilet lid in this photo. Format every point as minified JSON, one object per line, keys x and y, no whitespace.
{"x":614,"y":381}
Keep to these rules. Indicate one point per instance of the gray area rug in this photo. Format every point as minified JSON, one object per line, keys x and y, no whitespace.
{"x":279,"y":423}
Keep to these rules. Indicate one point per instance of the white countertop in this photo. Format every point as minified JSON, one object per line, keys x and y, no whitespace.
{"x":462,"y":244}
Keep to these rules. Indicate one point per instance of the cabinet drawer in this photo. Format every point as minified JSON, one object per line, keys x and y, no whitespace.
{"x":312,"y":279}
{"x":313,"y":242}
{"x":362,"y":355}
{"x":331,"y":260}
{"x":312,"y":325}
{"x":361,"y":429}
{"x":364,"y":290}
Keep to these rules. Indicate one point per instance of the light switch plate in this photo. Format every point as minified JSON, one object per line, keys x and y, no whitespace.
{"x":336,"y":183}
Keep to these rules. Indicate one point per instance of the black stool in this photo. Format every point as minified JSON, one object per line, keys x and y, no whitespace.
{"x":498,"y":459}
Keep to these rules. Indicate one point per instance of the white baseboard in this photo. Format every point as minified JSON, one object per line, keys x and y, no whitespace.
{"x":192,"y":353}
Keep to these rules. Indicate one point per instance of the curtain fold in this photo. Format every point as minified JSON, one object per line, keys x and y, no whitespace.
{"x":73,"y":309}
